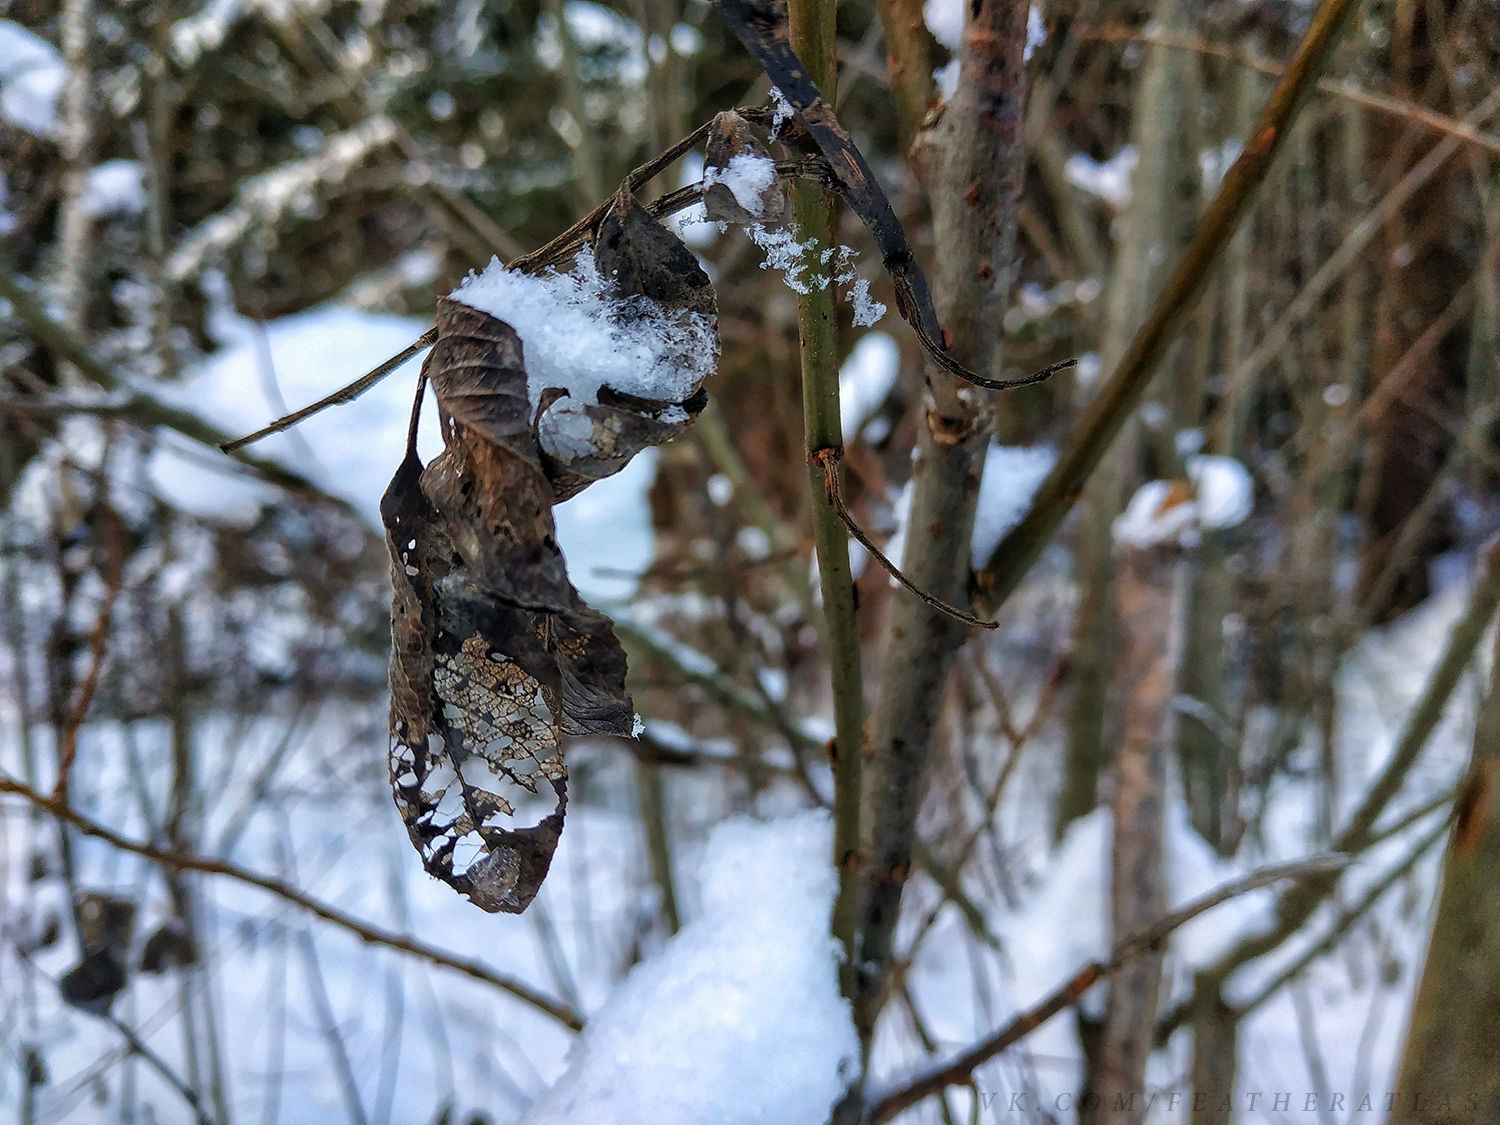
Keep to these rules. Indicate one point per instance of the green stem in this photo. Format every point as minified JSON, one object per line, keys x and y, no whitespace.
{"x":812,"y":28}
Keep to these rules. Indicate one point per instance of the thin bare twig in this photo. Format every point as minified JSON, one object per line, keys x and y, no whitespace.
{"x":339,"y":397}
{"x":374,"y":935}
{"x":827,"y":460}
{"x":961,"y":1070}
{"x":1338,"y":87}
{"x":113,"y":577}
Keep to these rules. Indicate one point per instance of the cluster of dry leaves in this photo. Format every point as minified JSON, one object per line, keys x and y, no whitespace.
{"x":495,"y":655}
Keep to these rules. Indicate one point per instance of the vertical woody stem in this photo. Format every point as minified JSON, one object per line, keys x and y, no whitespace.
{"x":812,"y":28}
{"x":974,"y":156}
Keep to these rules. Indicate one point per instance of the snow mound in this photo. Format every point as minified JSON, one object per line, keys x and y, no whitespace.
{"x":739,"y":1017}
{"x":748,"y":176}
{"x":1221,"y":495}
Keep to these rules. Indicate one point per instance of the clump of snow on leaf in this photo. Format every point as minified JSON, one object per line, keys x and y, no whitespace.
{"x":747,"y":176}
{"x":1160,"y":512}
{"x":738,"y":1018}
{"x":576,"y":337}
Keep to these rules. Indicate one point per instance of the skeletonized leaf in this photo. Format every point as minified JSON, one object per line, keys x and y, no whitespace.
{"x":494,"y":656}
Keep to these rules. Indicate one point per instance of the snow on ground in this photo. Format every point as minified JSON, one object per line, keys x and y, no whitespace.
{"x":738,"y":1018}
{"x":1358,"y":997}
{"x":422,"y":1034}
{"x":1012,"y":474}
{"x":866,"y":379}
{"x":31,"y":78}
{"x":263,"y":371}
{"x":1008,"y":481}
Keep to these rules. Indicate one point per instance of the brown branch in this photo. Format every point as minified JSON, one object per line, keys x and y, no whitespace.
{"x":960,"y":1071}
{"x":113,"y":577}
{"x":1117,"y":398}
{"x":373,"y":935}
{"x":1339,"y":88}
{"x":828,"y":460}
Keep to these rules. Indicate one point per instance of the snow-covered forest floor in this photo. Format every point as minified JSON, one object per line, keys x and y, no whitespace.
{"x":737,"y":1017}
{"x":1238,"y":549}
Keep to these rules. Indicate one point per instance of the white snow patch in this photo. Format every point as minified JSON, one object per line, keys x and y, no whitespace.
{"x":1222,"y":496}
{"x":945,"y":19}
{"x":1109,"y":181}
{"x":351,"y":450}
{"x":1011,"y":477}
{"x":1224,"y":492}
{"x":867,"y":310}
{"x":784,"y":253}
{"x":8,"y":219}
{"x":593,"y":26}
{"x":691,"y":224}
{"x":945,"y":78}
{"x":1214,"y":162}
{"x":738,"y":1018}
{"x":115,"y":187}
{"x":1036,"y":32}
{"x":747,"y":176}
{"x":895,"y":548}
{"x":866,"y":379}
{"x":205,"y":29}
{"x":783,"y":111}
{"x":795,"y":259}
{"x":1157,"y":514}
{"x":576,"y":337}
{"x":32,"y":73}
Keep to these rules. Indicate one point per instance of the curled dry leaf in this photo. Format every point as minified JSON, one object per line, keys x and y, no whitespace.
{"x":494,"y":654}
{"x":740,"y":184}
